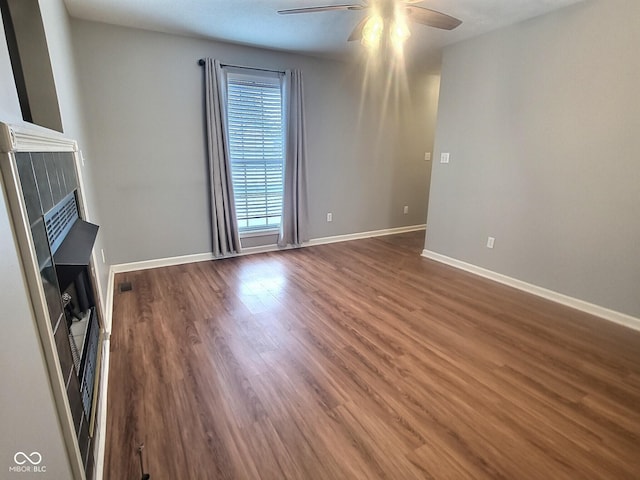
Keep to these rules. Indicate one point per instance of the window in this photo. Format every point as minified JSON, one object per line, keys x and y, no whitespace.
{"x":256,"y":148}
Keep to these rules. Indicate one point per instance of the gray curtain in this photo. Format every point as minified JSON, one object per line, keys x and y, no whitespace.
{"x":224,"y":225}
{"x":293,"y":228}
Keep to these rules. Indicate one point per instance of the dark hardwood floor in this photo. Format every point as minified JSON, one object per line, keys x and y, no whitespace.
{"x":362,"y":360}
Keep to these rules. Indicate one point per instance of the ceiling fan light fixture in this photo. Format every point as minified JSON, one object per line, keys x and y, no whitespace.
{"x":372,"y":31}
{"x":388,"y":22}
{"x":400,"y":33}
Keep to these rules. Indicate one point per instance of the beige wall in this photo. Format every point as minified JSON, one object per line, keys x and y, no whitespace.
{"x":143,"y":97}
{"x":542,"y":120}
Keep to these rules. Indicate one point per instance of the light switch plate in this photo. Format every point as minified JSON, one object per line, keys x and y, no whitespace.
{"x":444,"y":158}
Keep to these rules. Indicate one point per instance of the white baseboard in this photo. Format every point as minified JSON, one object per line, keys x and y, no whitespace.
{"x":361,"y":235}
{"x":204,"y":257}
{"x":593,"y":309}
{"x":161,"y":262}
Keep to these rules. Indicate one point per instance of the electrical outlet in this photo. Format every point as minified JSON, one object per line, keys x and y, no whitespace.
{"x":406,"y":209}
{"x":103,"y":258}
{"x":427,"y":156}
{"x":490,"y":242}
{"x":329,"y":217}
{"x":444,"y":158}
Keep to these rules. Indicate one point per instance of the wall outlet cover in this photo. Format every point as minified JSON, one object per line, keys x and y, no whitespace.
{"x":444,"y":158}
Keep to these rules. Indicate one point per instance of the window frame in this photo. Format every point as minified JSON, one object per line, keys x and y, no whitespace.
{"x":266,"y":77}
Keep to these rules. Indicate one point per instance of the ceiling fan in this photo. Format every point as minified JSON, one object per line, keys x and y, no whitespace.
{"x":390,"y":13}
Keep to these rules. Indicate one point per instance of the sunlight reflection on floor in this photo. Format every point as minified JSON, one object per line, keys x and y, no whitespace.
{"x":261,"y":285}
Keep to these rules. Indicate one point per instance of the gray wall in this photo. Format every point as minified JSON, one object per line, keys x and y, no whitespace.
{"x":142,"y":94}
{"x":542,"y":121}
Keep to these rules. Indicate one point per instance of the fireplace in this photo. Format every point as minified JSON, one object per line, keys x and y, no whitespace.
{"x":44,"y":193}
{"x":71,"y":241}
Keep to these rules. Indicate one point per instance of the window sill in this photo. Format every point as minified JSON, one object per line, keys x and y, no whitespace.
{"x":260,"y":233}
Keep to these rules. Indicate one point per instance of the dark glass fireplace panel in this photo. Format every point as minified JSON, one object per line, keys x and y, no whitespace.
{"x":64,"y":348}
{"x":42,"y":180}
{"x":83,"y":440}
{"x":29,"y":187}
{"x":57,"y":189}
{"x":75,"y":400}
{"x":67,"y":166}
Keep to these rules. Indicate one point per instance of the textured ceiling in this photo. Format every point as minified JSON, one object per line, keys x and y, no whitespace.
{"x":256,"y":23}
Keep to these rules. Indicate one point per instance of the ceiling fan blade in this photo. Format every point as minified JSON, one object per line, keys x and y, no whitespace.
{"x":356,"y":33}
{"x":324,"y":8}
{"x":431,"y":18}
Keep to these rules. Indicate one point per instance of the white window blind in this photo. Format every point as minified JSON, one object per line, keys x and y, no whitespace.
{"x":256,"y":144}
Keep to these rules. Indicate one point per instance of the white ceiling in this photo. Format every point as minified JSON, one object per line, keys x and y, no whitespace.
{"x":256,"y":23}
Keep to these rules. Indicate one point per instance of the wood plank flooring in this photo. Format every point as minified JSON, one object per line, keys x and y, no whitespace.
{"x":362,"y":360}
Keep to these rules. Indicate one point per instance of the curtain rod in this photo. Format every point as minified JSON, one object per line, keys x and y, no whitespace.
{"x":201,"y":63}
